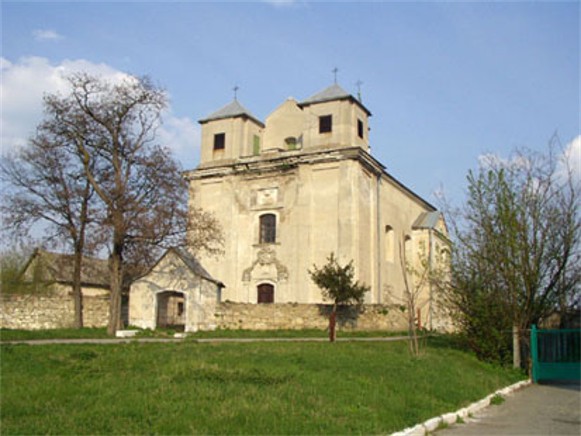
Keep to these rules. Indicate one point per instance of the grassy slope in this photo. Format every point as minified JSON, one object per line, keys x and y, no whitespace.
{"x":257,"y":388}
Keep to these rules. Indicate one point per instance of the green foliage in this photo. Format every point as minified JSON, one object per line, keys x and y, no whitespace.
{"x":497,"y":400}
{"x":517,"y":252}
{"x":250,"y":388}
{"x":337,"y":282}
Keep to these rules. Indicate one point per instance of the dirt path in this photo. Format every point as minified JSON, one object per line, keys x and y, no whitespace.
{"x":534,"y":410}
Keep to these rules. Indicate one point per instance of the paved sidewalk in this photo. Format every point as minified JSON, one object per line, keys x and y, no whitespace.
{"x":533,"y":410}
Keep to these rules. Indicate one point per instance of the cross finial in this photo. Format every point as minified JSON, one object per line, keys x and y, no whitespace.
{"x":235,"y":89}
{"x":359,"y":83}
{"x":335,"y":70}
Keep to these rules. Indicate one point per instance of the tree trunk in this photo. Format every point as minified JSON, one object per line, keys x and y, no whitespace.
{"x":412,"y":332}
{"x":515,"y":347}
{"x":116,"y":268}
{"x":77,"y":291}
{"x":333,"y":323}
{"x":79,"y":239}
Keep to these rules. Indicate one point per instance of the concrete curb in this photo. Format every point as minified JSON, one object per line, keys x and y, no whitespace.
{"x":432,"y":424}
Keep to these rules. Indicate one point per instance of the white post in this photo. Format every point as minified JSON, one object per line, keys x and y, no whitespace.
{"x":515,"y":348}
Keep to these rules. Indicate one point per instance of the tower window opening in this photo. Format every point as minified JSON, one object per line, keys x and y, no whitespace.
{"x":219,"y":141}
{"x":326,"y":124}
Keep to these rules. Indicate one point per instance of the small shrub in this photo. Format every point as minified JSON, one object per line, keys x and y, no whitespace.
{"x":497,"y":400}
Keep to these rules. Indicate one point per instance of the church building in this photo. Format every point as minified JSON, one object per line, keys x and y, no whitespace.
{"x":300,"y":185}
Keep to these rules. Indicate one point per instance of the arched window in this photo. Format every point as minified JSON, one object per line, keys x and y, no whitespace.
{"x":389,"y":244}
{"x":267,"y":228}
{"x":265,"y":293}
{"x":407,"y":249}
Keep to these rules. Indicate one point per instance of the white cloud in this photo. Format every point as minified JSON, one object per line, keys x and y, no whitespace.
{"x":571,"y":159}
{"x":282,"y":3}
{"x":182,"y":136}
{"x":567,"y":160}
{"x":26,"y":81}
{"x":46,"y":35}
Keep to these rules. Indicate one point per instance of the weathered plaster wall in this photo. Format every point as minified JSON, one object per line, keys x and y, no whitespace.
{"x":199,"y":295}
{"x":307,"y":316}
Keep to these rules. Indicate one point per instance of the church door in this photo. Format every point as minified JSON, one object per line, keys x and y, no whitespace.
{"x":265,"y":293}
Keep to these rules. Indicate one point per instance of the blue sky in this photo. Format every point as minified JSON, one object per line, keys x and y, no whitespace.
{"x":446,"y":81}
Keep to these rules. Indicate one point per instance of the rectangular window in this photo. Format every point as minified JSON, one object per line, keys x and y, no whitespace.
{"x":326,"y":124}
{"x":219,"y":141}
{"x":267,"y":229}
{"x":360,"y":128}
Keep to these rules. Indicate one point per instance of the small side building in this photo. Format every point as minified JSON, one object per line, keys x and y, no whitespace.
{"x":45,"y":301}
{"x":177,"y":292}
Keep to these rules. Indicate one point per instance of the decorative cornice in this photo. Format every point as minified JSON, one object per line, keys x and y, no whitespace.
{"x":288,"y":161}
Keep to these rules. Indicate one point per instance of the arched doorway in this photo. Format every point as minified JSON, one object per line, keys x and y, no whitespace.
{"x":171,"y":310}
{"x":265,"y":293}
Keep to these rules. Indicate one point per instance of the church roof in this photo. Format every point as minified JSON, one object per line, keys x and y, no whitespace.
{"x":427,"y":220}
{"x":332,"y":93}
{"x":231,"y":110}
{"x":192,"y":263}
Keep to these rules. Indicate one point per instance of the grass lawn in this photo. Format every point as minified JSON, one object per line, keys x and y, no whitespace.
{"x":248,"y":388}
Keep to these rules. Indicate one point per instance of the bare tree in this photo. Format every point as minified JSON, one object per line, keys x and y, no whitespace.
{"x":46,"y":184}
{"x":111,"y":128}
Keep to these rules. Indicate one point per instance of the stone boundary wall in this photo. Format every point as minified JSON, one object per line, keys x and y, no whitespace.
{"x":307,"y":316}
{"x":50,"y":311}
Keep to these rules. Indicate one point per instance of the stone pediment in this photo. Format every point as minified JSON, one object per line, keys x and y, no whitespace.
{"x":266,"y":266}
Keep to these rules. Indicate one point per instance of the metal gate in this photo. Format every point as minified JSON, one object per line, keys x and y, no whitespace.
{"x":556,"y":354}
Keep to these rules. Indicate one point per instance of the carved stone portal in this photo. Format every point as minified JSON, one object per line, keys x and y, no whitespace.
{"x":266,"y":266}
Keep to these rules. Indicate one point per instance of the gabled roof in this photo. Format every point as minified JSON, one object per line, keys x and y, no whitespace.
{"x":332,"y":93}
{"x":189,"y":261}
{"x":231,"y":110}
{"x":427,"y":220}
{"x":59,"y":268}
{"x":196,"y":267}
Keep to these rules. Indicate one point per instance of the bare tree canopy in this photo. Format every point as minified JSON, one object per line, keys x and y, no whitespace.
{"x":46,"y":184}
{"x":517,"y":255}
{"x":107,"y":133}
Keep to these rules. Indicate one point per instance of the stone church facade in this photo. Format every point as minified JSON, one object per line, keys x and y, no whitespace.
{"x":302,"y":184}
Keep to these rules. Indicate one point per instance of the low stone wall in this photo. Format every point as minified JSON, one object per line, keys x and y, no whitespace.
{"x":50,"y":311}
{"x":307,"y":316}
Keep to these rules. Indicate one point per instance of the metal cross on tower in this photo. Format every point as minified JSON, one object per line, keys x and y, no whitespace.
{"x":335,"y":70}
{"x":359,"y":83}
{"x":235,"y":89}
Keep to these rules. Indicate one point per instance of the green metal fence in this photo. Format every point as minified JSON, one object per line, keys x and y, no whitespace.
{"x":556,"y":354}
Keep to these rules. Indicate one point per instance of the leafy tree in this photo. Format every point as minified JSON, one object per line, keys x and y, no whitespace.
{"x":338,"y":285}
{"x":110,"y":129}
{"x":516,"y":257}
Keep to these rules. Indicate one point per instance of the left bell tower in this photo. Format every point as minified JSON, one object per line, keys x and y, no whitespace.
{"x":230,"y":134}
